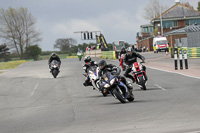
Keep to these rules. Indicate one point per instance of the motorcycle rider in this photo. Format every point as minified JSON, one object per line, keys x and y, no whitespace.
{"x":122,"y":52}
{"x":104,"y":68}
{"x":88,"y":63}
{"x":129,"y":58}
{"x":54,"y":56}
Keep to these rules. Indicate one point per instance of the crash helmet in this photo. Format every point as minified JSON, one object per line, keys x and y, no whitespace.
{"x":129,"y":50}
{"x":102,"y":64}
{"x":123,"y":49}
{"x":87,"y":59}
{"x":53,"y":54}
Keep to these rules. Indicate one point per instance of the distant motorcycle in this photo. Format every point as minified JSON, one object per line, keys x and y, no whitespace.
{"x":139,"y":75}
{"x":54,"y":68}
{"x":116,"y":87}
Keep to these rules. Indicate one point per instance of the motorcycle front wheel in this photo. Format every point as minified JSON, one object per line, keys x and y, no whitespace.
{"x":55,"y":73}
{"x":119,"y":95}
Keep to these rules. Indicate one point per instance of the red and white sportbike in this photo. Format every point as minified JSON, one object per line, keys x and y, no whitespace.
{"x":139,"y":75}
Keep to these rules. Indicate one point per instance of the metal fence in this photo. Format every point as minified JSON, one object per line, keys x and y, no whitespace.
{"x":193,"y":39}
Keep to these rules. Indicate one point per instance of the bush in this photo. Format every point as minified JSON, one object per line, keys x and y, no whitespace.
{"x":32,"y":52}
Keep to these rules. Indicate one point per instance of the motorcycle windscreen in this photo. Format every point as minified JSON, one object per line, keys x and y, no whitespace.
{"x":107,"y":77}
{"x":54,"y":62}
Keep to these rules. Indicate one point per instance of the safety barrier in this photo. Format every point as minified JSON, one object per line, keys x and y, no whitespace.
{"x":193,"y":52}
{"x":71,"y":56}
{"x":94,"y":53}
{"x":108,"y":55}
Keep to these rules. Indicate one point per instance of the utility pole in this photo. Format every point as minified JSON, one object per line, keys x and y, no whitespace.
{"x":161,"y":27}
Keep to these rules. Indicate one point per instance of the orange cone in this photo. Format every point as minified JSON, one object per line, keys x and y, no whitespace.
{"x":166,"y":52}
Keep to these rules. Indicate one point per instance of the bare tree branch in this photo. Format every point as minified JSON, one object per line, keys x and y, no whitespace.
{"x":17,"y":29}
{"x":152,"y":9}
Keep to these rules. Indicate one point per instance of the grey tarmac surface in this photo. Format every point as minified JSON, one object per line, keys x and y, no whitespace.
{"x":32,"y":101}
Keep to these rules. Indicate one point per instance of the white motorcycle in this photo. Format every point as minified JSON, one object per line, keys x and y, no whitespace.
{"x":93,"y":75}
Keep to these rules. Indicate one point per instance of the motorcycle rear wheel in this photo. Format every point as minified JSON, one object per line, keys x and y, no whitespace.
{"x":142,"y":83}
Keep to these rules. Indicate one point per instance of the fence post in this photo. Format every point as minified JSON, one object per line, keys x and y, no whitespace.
{"x":185,"y":57}
{"x":181,"y":59}
{"x":175,"y":58}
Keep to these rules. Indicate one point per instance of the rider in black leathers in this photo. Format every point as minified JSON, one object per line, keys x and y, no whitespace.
{"x":129,"y":58}
{"x":123,"y":51}
{"x":104,"y":68}
{"x":54,"y":57}
{"x":88,"y":64}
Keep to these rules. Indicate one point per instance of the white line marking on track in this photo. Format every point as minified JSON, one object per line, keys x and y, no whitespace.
{"x":160,"y":87}
{"x":194,"y":132}
{"x":174,"y":72}
{"x":35,"y":88}
{"x":32,"y":93}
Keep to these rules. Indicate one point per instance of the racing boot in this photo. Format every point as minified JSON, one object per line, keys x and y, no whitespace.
{"x":130,"y":88}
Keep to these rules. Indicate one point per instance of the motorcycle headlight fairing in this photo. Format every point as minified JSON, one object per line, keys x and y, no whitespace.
{"x":112,"y":81}
{"x":106,"y":86}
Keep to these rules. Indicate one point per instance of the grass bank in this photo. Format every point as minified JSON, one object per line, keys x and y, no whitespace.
{"x":10,"y":64}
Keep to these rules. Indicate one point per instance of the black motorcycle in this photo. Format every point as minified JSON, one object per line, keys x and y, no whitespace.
{"x":114,"y":85}
{"x":55,"y":68}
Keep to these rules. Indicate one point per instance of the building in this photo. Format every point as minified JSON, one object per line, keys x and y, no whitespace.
{"x":176,"y":17}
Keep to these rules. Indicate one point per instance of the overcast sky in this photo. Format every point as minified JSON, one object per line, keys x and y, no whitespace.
{"x":116,"y":19}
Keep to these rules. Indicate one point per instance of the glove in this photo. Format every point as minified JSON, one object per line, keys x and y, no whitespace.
{"x":143,"y":58}
{"x":114,"y":68}
{"x":85,"y":74}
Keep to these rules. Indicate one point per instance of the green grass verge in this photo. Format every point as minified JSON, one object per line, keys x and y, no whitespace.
{"x":10,"y":64}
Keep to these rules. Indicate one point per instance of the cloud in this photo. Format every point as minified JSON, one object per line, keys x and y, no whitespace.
{"x":74,"y":25}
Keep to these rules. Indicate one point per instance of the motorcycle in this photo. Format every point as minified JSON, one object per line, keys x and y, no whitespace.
{"x":116,"y":87}
{"x":54,"y":68}
{"x":139,"y":75}
{"x":92,"y":72}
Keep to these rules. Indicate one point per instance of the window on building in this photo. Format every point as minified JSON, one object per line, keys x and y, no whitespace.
{"x":145,"y":29}
{"x":194,"y":21}
{"x":167,"y":24}
{"x":187,"y":23}
{"x":150,"y":29}
{"x":175,"y":23}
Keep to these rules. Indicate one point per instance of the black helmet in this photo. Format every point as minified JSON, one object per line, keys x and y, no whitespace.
{"x":122,"y":48}
{"x":87,"y":59}
{"x":102,"y":64}
{"x":53,"y":54}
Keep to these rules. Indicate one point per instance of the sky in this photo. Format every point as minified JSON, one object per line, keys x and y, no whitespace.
{"x":116,"y":19}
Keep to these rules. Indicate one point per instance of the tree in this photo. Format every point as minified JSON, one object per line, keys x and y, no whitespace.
{"x":187,"y":4}
{"x":33,"y":52}
{"x":198,"y":8}
{"x":4,"y":54}
{"x":17,"y":28}
{"x":152,"y":9}
{"x":65,"y":44}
